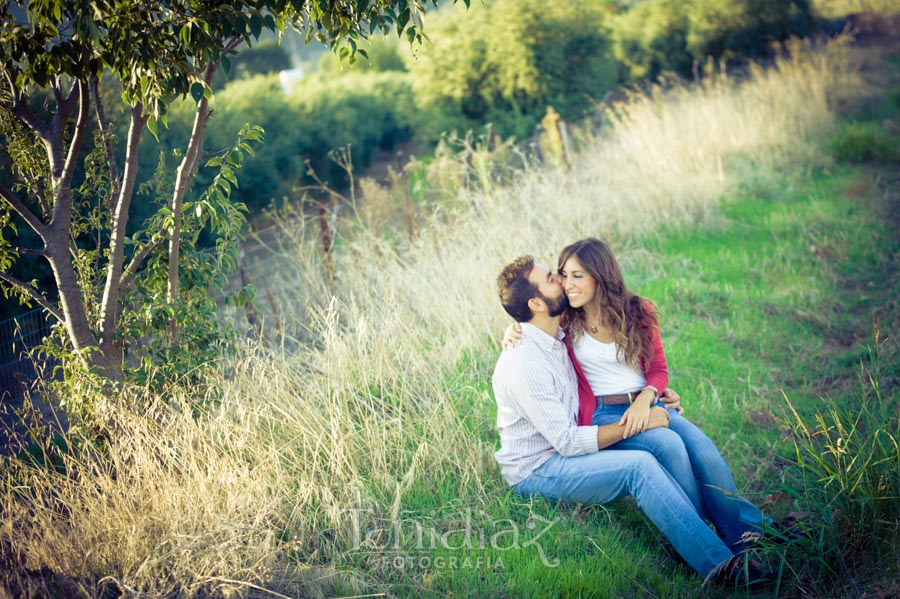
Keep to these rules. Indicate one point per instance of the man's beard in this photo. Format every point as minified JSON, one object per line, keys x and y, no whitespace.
{"x":557,"y":306}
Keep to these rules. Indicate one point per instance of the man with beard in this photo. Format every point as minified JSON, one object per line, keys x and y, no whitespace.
{"x":544,"y":452}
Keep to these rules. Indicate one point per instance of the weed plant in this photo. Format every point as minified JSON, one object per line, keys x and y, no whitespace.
{"x":845,"y":474}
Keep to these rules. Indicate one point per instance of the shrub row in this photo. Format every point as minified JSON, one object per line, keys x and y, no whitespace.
{"x":503,"y":62}
{"x":302,"y":126}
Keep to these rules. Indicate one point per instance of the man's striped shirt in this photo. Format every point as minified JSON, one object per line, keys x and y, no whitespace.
{"x":537,"y":405}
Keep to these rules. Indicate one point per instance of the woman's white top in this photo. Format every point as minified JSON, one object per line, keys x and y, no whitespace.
{"x":605,"y":371}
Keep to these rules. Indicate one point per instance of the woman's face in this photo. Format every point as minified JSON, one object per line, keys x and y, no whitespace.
{"x":579,"y":285}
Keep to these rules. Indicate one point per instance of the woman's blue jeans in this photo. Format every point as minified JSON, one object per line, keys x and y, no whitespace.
{"x":607,"y":475}
{"x":698,"y":468}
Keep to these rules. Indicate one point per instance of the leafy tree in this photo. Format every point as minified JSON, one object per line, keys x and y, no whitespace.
{"x":655,"y":37}
{"x":268,"y":56}
{"x":159,"y":53}
{"x":383,"y":54}
{"x":732,"y":29}
{"x":651,"y":39}
{"x":492,"y":67}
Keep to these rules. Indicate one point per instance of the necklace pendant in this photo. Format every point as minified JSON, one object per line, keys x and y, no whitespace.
{"x":593,"y":329}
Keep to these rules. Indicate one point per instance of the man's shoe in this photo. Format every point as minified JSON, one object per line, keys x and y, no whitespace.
{"x":789,"y":530}
{"x":742,"y":570}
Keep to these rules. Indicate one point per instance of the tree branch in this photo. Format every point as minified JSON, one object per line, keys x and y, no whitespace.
{"x":64,"y":110}
{"x":34,"y":295}
{"x":233,"y":43}
{"x":38,"y":194}
{"x":84,"y":106}
{"x":183,"y":179}
{"x":24,"y":211}
{"x":130,"y":271}
{"x":31,"y":251}
{"x":22,"y":111}
{"x":62,"y":202}
{"x":111,"y":291}
{"x":105,"y":128}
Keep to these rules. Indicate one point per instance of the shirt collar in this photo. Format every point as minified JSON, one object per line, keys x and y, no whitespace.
{"x":542,"y":339}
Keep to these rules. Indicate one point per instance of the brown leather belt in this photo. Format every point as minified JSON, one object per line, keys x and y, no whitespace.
{"x":618,"y":398}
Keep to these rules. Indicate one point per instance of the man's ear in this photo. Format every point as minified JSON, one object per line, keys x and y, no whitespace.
{"x":537,"y":305}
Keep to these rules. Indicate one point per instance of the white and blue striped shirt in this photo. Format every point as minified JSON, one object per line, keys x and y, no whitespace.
{"x":537,"y":405}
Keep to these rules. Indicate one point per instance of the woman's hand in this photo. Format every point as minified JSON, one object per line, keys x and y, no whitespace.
{"x":671,"y":400}
{"x":636,"y":418}
{"x":512,"y":336}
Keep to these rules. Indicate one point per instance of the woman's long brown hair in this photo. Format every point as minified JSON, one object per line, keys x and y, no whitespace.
{"x":624,"y":312}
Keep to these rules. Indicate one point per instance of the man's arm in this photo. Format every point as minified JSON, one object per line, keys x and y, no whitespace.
{"x":609,"y":434}
{"x":534,"y":390}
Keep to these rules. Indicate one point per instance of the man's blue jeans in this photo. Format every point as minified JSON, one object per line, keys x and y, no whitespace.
{"x":699,"y":469}
{"x":607,"y":475}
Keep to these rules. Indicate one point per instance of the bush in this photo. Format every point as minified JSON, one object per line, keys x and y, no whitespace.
{"x":732,"y":29}
{"x":663,"y":36}
{"x":866,"y":142}
{"x":364,"y":111}
{"x":268,"y":56}
{"x":507,"y":61}
{"x":651,"y":39}
{"x":383,"y":55}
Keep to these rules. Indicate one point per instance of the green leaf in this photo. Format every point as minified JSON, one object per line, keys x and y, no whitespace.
{"x":255,"y":25}
{"x":402,"y":20}
{"x":228,"y":173}
{"x":197,"y":92}
{"x":153,"y":127}
{"x":226,"y":66}
{"x":185,"y":34}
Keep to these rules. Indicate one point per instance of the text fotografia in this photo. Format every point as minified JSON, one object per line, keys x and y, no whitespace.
{"x":405,"y":561}
{"x":468,"y":540}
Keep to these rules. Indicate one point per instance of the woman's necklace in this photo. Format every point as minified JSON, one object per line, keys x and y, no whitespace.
{"x":594,"y":329}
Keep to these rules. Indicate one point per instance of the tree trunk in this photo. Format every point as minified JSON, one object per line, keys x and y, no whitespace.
{"x":185,"y":176}
{"x":56,"y":243}
{"x":109,"y":310}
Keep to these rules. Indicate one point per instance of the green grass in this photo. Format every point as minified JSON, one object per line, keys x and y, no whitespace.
{"x":773,"y":295}
{"x":762,"y":300}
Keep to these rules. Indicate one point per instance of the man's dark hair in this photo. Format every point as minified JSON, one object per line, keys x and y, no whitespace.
{"x":515,"y":288}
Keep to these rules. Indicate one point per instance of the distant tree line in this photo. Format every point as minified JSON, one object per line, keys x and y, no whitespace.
{"x":502,"y":62}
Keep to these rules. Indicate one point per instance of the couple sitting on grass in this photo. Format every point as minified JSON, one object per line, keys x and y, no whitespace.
{"x":585,"y":415}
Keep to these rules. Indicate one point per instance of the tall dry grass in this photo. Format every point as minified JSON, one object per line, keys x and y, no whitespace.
{"x":373,"y":388}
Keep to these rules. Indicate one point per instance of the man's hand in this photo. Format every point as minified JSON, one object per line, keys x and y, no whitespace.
{"x":671,"y":400}
{"x":658,"y":417}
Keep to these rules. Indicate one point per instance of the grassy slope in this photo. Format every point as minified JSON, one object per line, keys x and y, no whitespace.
{"x":764,"y":299}
{"x":773,"y":298}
